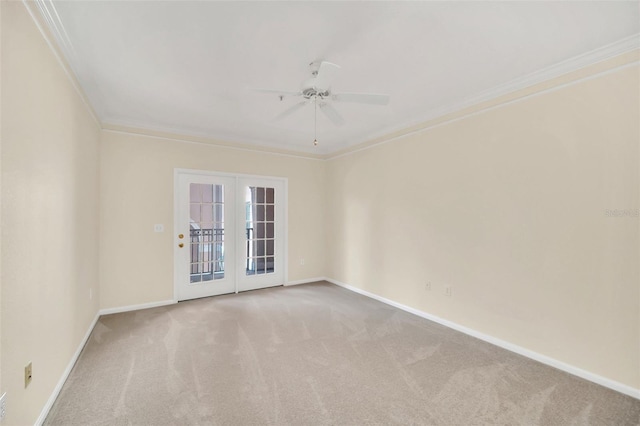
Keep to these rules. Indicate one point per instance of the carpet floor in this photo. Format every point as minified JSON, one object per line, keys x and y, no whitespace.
{"x":314,"y":354}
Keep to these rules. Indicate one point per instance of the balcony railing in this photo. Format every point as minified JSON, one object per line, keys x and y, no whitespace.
{"x":207,"y":251}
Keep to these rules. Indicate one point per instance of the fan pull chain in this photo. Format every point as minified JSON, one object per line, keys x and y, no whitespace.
{"x":315,"y":121}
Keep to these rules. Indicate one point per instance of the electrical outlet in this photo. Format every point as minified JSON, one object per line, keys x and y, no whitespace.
{"x":427,"y":286}
{"x":447,"y":290}
{"x":90,"y":293}
{"x":158,"y":227}
{"x":3,"y":406}
{"x":302,"y":260}
{"x":28,"y":374}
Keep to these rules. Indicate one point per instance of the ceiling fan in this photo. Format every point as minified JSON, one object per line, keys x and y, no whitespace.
{"x":317,"y":90}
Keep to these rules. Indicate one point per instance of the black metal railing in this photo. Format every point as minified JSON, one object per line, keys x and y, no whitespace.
{"x":207,"y":250}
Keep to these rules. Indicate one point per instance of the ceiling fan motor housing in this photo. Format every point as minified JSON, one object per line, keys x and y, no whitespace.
{"x":309,"y":91}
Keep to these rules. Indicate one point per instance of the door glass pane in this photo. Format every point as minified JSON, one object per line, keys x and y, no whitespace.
{"x":260,"y":230}
{"x":219,"y":212}
{"x":207,"y":193}
{"x":260,"y":223}
{"x":195,"y":193}
{"x":259,"y":247}
{"x":260,"y":265}
{"x":207,"y":213}
{"x":195,"y":212}
{"x":206,"y":205}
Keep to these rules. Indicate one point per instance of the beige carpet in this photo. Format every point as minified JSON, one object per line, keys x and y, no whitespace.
{"x":314,"y":354}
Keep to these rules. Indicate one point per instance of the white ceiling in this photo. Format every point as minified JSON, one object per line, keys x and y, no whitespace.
{"x":184,"y":67}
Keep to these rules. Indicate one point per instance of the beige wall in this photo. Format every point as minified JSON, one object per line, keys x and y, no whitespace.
{"x":508,"y":208}
{"x":49,"y":216}
{"x":137,"y":192}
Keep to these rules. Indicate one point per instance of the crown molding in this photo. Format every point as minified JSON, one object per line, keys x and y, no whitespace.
{"x":50,"y":16}
{"x":58,"y":33}
{"x":548,"y":74}
{"x":44,"y":17}
{"x":529,"y":81}
{"x":559,"y":69}
{"x":206,"y":139}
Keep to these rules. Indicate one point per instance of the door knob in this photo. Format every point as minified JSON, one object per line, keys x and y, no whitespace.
{"x":181,"y":245}
{"x":181,"y":236}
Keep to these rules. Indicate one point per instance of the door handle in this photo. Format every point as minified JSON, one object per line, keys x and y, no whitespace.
{"x":181,"y":236}
{"x":181,"y":245}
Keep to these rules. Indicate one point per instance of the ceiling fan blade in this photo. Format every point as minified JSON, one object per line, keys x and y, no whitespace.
{"x":289,"y":111}
{"x":326,"y":73}
{"x":331,"y":114}
{"x":283,"y":93}
{"x":361,"y":98}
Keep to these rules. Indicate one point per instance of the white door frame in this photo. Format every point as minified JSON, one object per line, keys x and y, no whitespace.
{"x":176,"y":225}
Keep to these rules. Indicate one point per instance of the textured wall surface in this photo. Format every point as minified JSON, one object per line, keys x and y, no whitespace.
{"x":511,"y":209}
{"x":50,"y":146}
{"x":137,"y":191}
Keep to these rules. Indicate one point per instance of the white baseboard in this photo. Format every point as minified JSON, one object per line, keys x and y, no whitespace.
{"x":305,"y":281}
{"x":65,"y":375}
{"x":603,"y":381}
{"x":56,"y":391}
{"x":136,"y":307}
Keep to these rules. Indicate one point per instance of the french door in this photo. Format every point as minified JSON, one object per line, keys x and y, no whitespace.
{"x":229,"y":233}
{"x":261,"y":234}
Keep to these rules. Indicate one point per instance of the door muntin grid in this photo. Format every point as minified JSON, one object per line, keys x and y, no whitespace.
{"x":206,"y":232}
{"x":260,"y":218}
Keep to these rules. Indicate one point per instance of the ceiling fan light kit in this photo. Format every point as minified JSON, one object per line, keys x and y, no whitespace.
{"x":317,"y":89}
